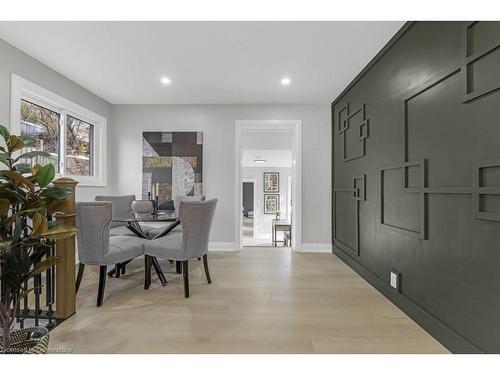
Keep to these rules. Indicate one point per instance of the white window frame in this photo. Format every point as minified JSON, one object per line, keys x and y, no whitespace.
{"x":22,"y":89}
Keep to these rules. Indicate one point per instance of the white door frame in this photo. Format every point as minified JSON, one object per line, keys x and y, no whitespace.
{"x":254,"y":181}
{"x":263,"y":125}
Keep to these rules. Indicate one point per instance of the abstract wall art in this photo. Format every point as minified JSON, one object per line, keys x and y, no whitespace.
{"x":171,"y":165}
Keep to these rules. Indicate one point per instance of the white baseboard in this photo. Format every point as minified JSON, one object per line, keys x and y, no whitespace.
{"x":223,"y":246}
{"x":314,"y":248}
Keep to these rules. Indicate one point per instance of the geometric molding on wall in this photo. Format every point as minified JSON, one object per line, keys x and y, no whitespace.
{"x":421,"y":233}
{"x":474,"y":55}
{"x":345,"y":124}
{"x":416,"y":92}
{"x":358,"y":191}
{"x":480,"y":190}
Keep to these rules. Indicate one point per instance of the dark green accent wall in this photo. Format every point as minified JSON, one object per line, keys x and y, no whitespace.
{"x":416,"y":178}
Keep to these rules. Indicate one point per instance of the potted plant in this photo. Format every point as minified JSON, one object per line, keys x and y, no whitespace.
{"x":278,"y":215}
{"x":27,"y":200}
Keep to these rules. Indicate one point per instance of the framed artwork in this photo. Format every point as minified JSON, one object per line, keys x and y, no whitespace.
{"x":271,"y":182}
{"x":271,"y":203}
{"x":171,"y":165}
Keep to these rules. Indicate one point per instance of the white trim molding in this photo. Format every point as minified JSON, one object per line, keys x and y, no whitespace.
{"x":272,"y":125}
{"x":315,"y":248}
{"x":223,"y":246}
{"x":21,"y":88}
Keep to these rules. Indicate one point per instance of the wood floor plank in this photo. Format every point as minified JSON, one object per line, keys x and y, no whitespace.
{"x":261,"y":300}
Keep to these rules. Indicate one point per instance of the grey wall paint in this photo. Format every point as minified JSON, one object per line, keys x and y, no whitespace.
{"x":417,"y":177}
{"x":217,"y":122}
{"x":14,"y":61}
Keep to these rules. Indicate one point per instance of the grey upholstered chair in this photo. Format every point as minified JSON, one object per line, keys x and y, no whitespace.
{"x":96,"y":247}
{"x":153,"y":232}
{"x":122,"y":209}
{"x":192,"y":242}
{"x":186,"y":198}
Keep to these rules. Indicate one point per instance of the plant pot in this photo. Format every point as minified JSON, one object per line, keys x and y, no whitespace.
{"x":32,"y":340}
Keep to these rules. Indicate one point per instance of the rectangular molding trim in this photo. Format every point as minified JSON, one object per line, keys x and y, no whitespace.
{"x":223,"y":246}
{"x":314,"y":248}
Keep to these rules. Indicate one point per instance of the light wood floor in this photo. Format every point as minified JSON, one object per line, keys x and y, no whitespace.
{"x":265,"y":300}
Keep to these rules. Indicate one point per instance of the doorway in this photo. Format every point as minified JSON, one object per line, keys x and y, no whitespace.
{"x":268,"y":169}
{"x":249,"y":196}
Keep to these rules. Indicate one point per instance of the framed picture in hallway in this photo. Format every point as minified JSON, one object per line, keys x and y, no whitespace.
{"x":271,"y":203}
{"x":271,"y":182}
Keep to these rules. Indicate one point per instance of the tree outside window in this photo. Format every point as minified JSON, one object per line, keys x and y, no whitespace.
{"x":78,"y":147}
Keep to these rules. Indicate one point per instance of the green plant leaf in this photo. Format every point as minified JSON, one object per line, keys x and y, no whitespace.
{"x":55,"y":192}
{"x":4,"y":158}
{"x":59,"y":232}
{"x":4,"y":206}
{"x":33,"y":154}
{"x":4,"y":132}
{"x":23,"y":168}
{"x":27,"y":140}
{"x":45,"y":175}
{"x":45,"y":265}
{"x":17,"y":230}
{"x":15,"y":143}
{"x":40,"y":224}
{"x":18,"y":179}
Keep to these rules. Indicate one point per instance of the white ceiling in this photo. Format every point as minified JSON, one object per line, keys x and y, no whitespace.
{"x":208,"y":62}
{"x":273,"y":158}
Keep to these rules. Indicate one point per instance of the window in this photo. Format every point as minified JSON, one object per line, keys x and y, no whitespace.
{"x":78,"y":147}
{"x":43,"y":125}
{"x":72,"y":135}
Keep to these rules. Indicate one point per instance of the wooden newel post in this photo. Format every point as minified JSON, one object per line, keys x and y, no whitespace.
{"x":65,"y":298}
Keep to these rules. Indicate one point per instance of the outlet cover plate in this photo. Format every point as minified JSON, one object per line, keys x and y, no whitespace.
{"x":395,"y":279}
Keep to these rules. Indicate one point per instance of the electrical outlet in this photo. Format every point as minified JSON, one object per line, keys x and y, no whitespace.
{"x":395,"y":280}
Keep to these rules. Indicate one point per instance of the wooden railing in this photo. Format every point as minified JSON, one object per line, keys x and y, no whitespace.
{"x":65,"y":251}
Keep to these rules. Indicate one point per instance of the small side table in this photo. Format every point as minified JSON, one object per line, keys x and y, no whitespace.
{"x":280,"y":226}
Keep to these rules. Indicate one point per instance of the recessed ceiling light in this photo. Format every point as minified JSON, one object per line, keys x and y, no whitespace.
{"x":165,"y":80}
{"x":259,"y":161}
{"x":285,"y":81}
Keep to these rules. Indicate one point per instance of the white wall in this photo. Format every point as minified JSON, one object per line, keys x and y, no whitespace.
{"x":14,"y":61}
{"x":126,"y":124}
{"x":264,"y":221}
{"x":217,"y":122}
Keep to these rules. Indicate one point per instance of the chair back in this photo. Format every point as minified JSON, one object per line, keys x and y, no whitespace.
{"x":196,"y":219}
{"x":121,"y":205}
{"x":93,"y":220}
{"x":186,"y":198}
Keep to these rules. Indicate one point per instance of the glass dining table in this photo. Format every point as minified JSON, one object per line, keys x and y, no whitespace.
{"x":135,"y":224}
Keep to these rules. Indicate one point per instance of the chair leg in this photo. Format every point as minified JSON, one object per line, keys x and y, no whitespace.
{"x":124,"y":268}
{"x":178,"y":266}
{"x":185,"y":274}
{"x":102,"y":284}
{"x":147,"y":271}
{"x":207,"y":272}
{"x":81,"y":268}
{"x":117,"y":270}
